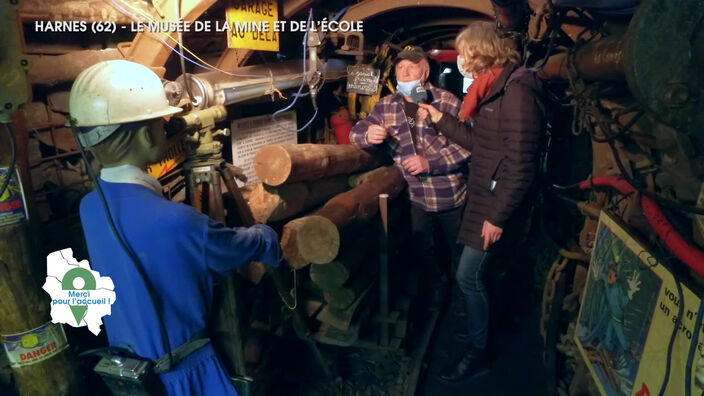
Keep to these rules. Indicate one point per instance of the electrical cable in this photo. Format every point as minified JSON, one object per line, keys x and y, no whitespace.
{"x":210,"y":67}
{"x":300,"y":89}
{"x":692,"y":348}
{"x":203,"y":64}
{"x":673,"y":337}
{"x":568,"y":187}
{"x":182,"y":61}
{"x":688,"y":254}
{"x":665,"y":201}
{"x":128,"y":251}
{"x":13,"y":160}
{"x":624,"y":130}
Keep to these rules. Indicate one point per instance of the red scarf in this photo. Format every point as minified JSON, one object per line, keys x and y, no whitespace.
{"x":481,"y":86}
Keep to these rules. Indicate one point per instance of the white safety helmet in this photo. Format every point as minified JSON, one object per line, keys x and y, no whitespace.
{"x":111,"y":93}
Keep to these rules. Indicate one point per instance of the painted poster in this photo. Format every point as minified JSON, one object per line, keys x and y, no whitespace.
{"x":629,"y":309}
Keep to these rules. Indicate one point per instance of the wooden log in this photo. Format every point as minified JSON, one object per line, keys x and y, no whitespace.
{"x":310,"y":239}
{"x":24,"y":306}
{"x":362,"y":202}
{"x":347,"y":295}
{"x":277,"y":164}
{"x":340,"y":298}
{"x":330,"y":276}
{"x":277,"y":203}
{"x":358,"y":204}
{"x":53,"y":70}
{"x":356,"y":248}
{"x":62,"y":139}
{"x":78,"y":10}
{"x":38,"y":116}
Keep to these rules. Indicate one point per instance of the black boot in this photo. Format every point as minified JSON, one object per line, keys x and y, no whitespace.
{"x":458,"y":307}
{"x":462,"y":336}
{"x":472,"y":363}
{"x":437,"y":298}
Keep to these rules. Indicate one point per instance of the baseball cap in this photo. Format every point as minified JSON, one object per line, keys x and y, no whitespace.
{"x":412,"y":53}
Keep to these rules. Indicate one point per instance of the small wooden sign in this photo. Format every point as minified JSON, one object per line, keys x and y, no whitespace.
{"x":362,"y":79}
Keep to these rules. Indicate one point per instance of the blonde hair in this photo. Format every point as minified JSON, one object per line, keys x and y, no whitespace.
{"x":482,"y":48}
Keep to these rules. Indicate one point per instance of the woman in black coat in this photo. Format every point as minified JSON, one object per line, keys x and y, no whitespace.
{"x":504,"y":142}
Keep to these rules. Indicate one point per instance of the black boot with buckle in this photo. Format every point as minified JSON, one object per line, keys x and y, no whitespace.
{"x":474,"y":362}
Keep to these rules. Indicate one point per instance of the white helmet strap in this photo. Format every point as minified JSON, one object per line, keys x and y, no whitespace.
{"x":90,"y":136}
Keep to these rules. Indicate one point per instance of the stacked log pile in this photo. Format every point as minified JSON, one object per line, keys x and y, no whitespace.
{"x":347,"y":182}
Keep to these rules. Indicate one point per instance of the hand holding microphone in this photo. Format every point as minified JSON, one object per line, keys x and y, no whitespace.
{"x":426,"y":110}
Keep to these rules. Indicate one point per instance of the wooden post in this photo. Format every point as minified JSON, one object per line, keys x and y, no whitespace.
{"x":384,"y":271}
{"x":23,"y":305}
{"x":53,"y":70}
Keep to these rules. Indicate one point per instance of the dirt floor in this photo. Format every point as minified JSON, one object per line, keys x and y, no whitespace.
{"x":517,"y":368}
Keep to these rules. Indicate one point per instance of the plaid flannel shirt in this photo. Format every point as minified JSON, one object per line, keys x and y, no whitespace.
{"x":446,"y":186}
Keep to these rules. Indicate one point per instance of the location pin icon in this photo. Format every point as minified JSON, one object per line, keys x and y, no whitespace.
{"x":67,"y":283}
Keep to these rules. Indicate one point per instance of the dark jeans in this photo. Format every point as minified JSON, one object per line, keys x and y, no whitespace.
{"x":424,"y":225}
{"x":470,"y":272}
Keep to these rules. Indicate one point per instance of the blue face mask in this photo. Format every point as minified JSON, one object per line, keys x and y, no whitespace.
{"x":407,"y":87}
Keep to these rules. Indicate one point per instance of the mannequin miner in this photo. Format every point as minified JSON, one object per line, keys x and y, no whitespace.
{"x":118,"y":109}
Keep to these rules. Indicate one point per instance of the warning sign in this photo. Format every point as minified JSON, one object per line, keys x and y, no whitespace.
{"x":174,"y":155}
{"x":251,"y":134}
{"x":12,"y":207}
{"x":34,"y":345}
{"x":251,"y":25}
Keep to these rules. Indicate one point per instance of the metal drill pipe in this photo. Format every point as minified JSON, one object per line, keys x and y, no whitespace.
{"x":595,"y":61}
{"x":216,"y":88}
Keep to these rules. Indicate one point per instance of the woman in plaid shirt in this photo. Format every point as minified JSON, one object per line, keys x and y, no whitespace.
{"x":434,"y":167}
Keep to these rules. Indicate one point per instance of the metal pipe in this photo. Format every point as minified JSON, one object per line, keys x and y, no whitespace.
{"x":598,"y":60}
{"x":217,"y":88}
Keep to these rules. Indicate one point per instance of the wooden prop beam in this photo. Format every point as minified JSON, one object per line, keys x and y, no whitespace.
{"x":270,"y":204}
{"x":277,"y":164}
{"x":316,"y":239}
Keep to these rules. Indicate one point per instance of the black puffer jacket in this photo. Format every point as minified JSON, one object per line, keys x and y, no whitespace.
{"x":504,"y":143}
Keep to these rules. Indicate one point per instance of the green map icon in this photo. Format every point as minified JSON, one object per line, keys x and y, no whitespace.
{"x":89,"y":283}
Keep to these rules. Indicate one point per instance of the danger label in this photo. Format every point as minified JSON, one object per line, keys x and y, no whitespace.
{"x":35,"y":345}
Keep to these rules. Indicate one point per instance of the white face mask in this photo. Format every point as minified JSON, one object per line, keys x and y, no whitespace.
{"x":407,"y":87}
{"x":460,"y":67}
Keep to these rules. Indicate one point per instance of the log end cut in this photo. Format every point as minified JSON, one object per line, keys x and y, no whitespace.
{"x":311,"y":239}
{"x":273,"y":164}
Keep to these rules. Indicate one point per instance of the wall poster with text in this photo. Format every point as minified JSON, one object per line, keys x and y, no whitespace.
{"x":629,"y":309}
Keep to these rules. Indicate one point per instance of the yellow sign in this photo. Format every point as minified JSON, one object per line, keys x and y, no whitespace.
{"x":629,"y":310}
{"x":252,"y":24}
{"x":174,"y":155}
